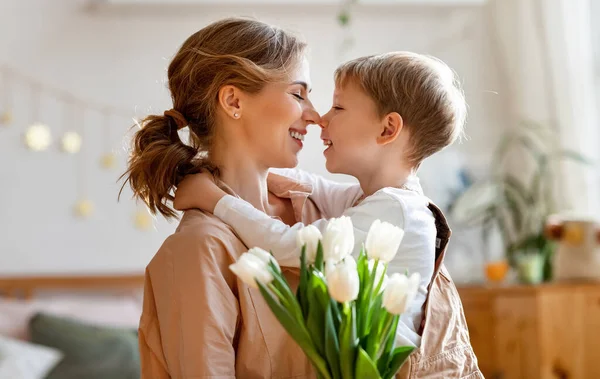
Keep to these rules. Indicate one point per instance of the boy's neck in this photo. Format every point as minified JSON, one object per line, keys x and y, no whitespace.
{"x":386,"y":175}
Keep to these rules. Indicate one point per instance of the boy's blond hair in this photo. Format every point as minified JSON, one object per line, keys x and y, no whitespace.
{"x":422,"y":89}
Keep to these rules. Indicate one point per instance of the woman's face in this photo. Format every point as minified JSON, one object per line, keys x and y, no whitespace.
{"x":276,"y":118}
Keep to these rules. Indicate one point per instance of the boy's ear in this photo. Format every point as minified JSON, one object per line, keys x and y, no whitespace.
{"x":391,"y":126}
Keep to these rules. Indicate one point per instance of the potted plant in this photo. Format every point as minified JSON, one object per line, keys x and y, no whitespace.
{"x":517,"y":197}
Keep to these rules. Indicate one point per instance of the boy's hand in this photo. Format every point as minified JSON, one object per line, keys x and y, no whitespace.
{"x":198,"y":191}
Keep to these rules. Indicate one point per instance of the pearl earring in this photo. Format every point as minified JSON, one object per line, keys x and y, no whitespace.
{"x":236,"y":115}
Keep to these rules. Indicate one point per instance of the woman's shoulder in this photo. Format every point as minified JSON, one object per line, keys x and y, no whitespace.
{"x":200,"y":237}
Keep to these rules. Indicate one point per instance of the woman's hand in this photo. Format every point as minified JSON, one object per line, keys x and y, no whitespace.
{"x":198,"y":191}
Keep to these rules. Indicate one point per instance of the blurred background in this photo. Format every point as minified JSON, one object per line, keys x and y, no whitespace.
{"x":521,"y":191}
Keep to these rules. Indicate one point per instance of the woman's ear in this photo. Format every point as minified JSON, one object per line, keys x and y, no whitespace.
{"x":230,"y":100}
{"x":391,"y":127}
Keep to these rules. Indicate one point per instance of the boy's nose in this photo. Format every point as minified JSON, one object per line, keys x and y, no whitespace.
{"x":324,"y":121}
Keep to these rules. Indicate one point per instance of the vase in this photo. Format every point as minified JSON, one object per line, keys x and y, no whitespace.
{"x":530,"y":268}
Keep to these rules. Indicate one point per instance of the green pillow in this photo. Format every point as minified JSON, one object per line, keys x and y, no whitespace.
{"x":90,"y":352}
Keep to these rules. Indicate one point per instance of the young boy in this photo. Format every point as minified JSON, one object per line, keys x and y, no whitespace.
{"x":389,"y":113}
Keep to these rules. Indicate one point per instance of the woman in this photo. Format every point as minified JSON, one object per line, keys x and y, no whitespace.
{"x":241,"y":88}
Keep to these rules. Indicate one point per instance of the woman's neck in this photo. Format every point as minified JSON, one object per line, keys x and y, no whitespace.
{"x":243,"y":175}
{"x":248,"y":182}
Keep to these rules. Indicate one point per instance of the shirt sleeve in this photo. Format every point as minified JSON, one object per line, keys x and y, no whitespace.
{"x":192,"y":334}
{"x":332,"y":198}
{"x":256,"y":228}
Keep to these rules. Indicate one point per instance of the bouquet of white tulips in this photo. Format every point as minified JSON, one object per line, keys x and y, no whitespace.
{"x":344,"y":313}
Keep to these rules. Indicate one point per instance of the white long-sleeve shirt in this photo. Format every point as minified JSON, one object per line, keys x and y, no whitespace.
{"x":405,"y":207}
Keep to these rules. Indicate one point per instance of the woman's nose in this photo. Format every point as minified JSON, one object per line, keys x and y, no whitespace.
{"x":310,"y":114}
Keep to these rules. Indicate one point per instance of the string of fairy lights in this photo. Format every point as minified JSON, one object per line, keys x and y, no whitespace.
{"x":71,"y":135}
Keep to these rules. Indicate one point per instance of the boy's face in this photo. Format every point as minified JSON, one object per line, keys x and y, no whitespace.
{"x":351,"y":129}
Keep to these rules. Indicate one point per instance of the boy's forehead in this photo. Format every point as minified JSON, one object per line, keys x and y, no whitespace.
{"x":346,"y":88}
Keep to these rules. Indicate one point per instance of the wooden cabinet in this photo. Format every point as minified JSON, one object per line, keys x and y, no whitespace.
{"x":531,"y":332}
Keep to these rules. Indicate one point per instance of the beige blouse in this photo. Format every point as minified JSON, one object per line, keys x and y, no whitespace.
{"x":199,"y":320}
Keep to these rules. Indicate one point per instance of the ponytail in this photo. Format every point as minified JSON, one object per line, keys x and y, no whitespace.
{"x":158,"y":162}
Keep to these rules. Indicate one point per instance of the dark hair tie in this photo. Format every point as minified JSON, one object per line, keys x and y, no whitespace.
{"x":180,"y":121}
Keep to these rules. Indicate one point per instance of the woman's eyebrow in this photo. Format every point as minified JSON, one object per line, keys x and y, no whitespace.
{"x":303,"y":84}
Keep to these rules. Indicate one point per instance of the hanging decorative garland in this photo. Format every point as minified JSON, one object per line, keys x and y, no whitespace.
{"x":72,"y":136}
{"x":109,"y":158}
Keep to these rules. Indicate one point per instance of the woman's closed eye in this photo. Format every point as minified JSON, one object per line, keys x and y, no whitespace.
{"x":298,"y":96}
{"x":337,"y":108}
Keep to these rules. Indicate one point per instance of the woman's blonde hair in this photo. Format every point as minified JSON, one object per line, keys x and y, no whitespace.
{"x":422,"y":89}
{"x":241,"y":52}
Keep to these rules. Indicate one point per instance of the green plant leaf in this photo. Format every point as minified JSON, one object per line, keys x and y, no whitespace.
{"x":575,"y":156}
{"x":386,"y":355}
{"x":284,"y":288}
{"x":297,"y":331}
{"x":348,"y":341}
{"x":399,"y":356}
{"x":337,"y":315}
{"x":302,"y":286}
{"x":366,"y":300}
{"x":470,"y":207}
{"x":365,"y":367}
{"x":319,"y":258}
{"x":362,"y":268}
{"x":374,"y":322}
{"x":318,"y":299}
{"x":518,"y":188}
{"x":332,"y":347}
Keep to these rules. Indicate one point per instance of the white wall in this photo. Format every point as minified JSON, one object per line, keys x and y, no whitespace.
{"x":118,"y":57}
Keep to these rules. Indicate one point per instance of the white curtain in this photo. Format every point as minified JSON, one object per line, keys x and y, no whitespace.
{"x":546,"y":57}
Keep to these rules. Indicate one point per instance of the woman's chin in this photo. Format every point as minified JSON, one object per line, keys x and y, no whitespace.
{"x":290,"y":162}
{"x":331,"y":167}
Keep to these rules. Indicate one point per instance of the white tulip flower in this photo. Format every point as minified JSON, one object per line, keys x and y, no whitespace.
{"x":310,"y":236}
{"x":343,"y":282}
{"x":338,"y":239}
{"x":264,"y":256}
{"x":251,"y":268}
{"x":329,"y":266}
{"x":383,"y":241}
{"x":400,"y":291}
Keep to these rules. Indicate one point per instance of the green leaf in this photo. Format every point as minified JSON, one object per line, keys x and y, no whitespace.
{"x":284,"y":288}
{"x":362,"y":268}
{"x":332,"y":347}
{"x":386,"y":355}
{"x":318,"y":299}
{"x":374,"y":322}
{"x":378,"y":285}
{"x":348,"y":341}
{"x":344,"y":18}
{"x":297,"y":331}
{"x":515,"y":185}
{"x":366,"y":301}
{"x":574,"y":156}
{"x":301,"y":291}
{"x":365,"y":367}
{"x":337,"y":316}
{"x":319,"y":257}
{"x":399,"y":356}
